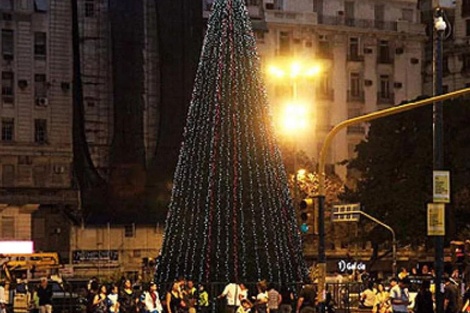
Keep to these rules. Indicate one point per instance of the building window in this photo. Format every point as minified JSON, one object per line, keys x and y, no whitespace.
{"x":24,"y":4}
{"x":324,"y":48}
{"x":355,"y":84}
{"x":384,"y":86}
{"x":40,"y":5}
{"x":349,"y":13}
{"x":89,"y":8}
{"x":379,"y":16}
{"x":318,"y":6}
{"x":278,"y":4}
{"x":324,"y":90}
{"x":259,"y":34}
{"x":6,"y":5}
{"x":465,"y":8}
{"x":407,"y":15}
{"x":8,"y":175}
{"x":284,"y":43}
{"x":40,"y":48}
{"x":7,"y":87}
{"x":384,"y":52}
{"x":7,"y":44}
{"x":8,"y":129}
{"x":129,"y":230}
{"x":467,"y":28}
{"x":8,"y":227}
{"x":40,"y":131}
{"x":40,"y":86}
{"x":353,"y":48}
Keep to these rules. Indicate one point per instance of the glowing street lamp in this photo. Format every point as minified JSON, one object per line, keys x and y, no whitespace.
{"x":294,"y":118}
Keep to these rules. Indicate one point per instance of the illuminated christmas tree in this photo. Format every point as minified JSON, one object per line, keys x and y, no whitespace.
{"x":231,"y":217}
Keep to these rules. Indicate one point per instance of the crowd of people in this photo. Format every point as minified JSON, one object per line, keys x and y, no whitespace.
{"x":396,"y":297}
{"x":183,"y":296}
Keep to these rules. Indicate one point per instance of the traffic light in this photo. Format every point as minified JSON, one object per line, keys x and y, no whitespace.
{"x":308,"y":216}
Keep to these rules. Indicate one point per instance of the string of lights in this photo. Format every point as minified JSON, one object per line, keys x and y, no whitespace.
{"x":231,"y":217}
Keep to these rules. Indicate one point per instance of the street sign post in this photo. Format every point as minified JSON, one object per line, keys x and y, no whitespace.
{"x":346,"y":212}
{"x":352,"y":212}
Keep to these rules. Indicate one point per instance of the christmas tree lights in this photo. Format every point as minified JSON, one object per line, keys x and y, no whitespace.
{"x":231,"y":217}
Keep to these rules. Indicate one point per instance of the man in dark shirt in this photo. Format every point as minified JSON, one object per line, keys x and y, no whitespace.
{"x":451,"y":296}
{"x":307,"y":299}
{"x":44,"y":293}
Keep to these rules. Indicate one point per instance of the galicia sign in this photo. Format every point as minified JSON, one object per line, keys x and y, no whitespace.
{"x":344,"y":266}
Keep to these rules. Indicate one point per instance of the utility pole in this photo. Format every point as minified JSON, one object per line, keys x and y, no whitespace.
{"x":438,"y":153}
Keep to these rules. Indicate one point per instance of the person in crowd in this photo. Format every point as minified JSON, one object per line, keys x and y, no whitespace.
{"x":399,"y":297}
{"x":423,"y":301}
{"x":451,"y":296}
{"x":245,"y":306}
{"x":91,"y":281}
{"x":466,"y":300}
{"x":34,"y":301}
{"x":44,"y":293}
{"x":92,"y":288}
{"x":425,"y":270}
{"x":243,"y":292}
{"x":203,"y":300}
{"x":99,"y":303}
{"x":232,"y":294}
{"x":287,"y":300}
{"x":261,"y":303}
{"x":403,"y":273}
{"x":3,"y":302}
{"x":329,"y":301}
{"x":274,"y":299}
{"x":113,"y":300}
{"x":174,"y":299}
{"x":152,"y":302}
{"x":190,"y":296}
{"x":128,"y":299}
{"x":307,"y":300}
{"x":368,"y":297}
{"x":382,"y":298}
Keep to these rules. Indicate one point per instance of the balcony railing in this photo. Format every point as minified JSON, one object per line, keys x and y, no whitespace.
{"x":384,"y":59}
{"x":288,"y":17}
{"x":355,"y":58}
{"x":356,"y":96}
{"x":356,"y":22}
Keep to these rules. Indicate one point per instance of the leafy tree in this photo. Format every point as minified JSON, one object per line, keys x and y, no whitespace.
{"x":395,"y":163}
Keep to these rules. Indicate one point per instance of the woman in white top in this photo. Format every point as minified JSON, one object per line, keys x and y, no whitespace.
{"x":152,"y":300}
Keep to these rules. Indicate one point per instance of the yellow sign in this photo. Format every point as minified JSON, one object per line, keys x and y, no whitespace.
{"x":441,"y":186}
{"x":436,"y":219}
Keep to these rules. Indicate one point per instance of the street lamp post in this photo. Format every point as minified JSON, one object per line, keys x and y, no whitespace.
{"x":438,"y":159}
{"x":295,"y":117}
